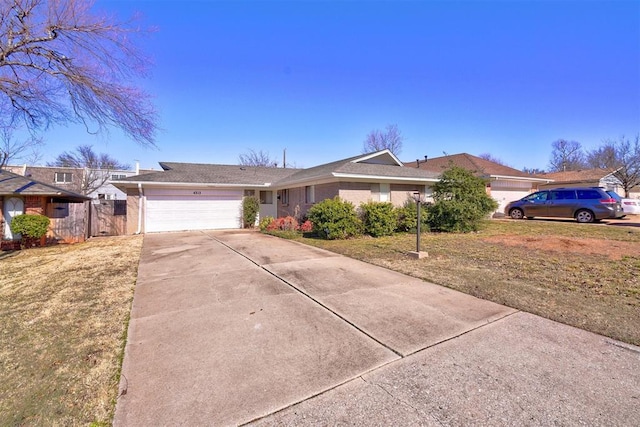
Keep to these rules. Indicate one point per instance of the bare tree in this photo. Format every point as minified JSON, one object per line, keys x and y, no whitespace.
{"x":61,"y":63}
{"x":623,"y":161}
{"x":532,"y":171}
{"x":491,"y":158}
{"x":12,"y":149}
{"x":97,"y":167}
{"x":566,"y":156}
{"x":603,"y":157}
{"x":257,"y":158}
{"x":391,"y":138}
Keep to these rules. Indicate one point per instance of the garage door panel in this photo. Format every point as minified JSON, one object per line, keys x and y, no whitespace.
{"x":503,"y":197}
{"x":170,"y":212}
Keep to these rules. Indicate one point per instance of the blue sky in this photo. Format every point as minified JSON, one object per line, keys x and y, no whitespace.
{"x":500,"y":77}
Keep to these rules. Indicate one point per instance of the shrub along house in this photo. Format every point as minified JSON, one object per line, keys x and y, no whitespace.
{"x":20,"y":194}
{"x":187,"y":196}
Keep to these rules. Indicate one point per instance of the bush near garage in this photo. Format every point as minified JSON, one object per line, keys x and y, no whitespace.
{"x":250,"y":209}
{"x":461,"y":202}
{"x":265,"y":222}
{"x":334,"y":219}
{"x":285,"y":227}
{"x":31,"y":227}
{"x":378,"y":218}
{"x":287,"y":223}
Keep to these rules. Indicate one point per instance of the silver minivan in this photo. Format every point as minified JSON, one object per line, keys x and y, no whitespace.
{"x":585,"y":204}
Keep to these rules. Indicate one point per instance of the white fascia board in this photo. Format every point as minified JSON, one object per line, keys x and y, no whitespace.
{"x":188,"y":184}
{"x":305,"y":182}
{"x":376,"y":178}
{"x":518,"y":178}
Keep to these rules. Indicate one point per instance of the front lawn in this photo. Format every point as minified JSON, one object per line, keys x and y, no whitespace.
{"x":63,"y":318}
{"x":585,"y":275}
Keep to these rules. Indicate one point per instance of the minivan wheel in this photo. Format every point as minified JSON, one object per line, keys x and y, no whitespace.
{"x":584,"y":215}
{"x":516,"y":213}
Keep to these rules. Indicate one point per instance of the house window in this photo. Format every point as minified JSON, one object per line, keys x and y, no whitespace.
{"x":284,"y":197}
{"x":266,"y":197}
{"x":62,"y":177}
{"x":116,"y":177}
{"x":384,"y":192}
{"x":309,"y":194}
{"x":119,"y":207}
{"x":249,"y":193}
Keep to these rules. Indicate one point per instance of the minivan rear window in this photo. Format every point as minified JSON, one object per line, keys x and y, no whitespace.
{"x":589,"y":194}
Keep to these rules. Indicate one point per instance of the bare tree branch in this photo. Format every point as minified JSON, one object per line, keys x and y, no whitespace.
{"x":604,"y":157}
{"x":625,"y":162}
{"x":60,"y":63}
{"x":391,"y":138}
{"x":257,"y":158}
{"x":566,"y":156}
{"x":12,"y":149}
{"x":491,"y":158}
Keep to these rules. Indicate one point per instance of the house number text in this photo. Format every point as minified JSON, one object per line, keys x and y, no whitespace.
{"x":197,"y":192}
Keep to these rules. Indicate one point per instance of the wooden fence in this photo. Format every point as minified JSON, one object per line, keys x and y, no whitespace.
{"x":108,"y":218}
{"x":67,"y":221}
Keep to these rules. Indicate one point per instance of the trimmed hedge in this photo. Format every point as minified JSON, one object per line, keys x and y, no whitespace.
{"x":407,"y":216}
{"x":379,"y":218}
{"x":334,"y":219}
{"x":31,"y":226}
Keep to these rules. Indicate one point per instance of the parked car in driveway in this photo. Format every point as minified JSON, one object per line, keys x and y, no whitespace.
{"x":585,"y":204}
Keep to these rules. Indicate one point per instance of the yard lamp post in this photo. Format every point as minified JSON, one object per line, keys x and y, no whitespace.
{"x":416,"y":197}
{"x":418,"y":254}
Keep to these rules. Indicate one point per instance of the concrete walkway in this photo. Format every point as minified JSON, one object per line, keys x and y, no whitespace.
{"x":235,"y":327}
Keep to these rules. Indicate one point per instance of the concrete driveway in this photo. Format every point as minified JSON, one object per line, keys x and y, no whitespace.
{"x":235,"y":327}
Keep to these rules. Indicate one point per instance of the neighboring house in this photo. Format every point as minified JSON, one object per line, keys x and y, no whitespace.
{"x":504,"y":184}
{"x":187,"y":196}
{"x":106,"y":215}
{"x":95,"y":183}
{"x":20,"y":194}
{"x":588,"y":178}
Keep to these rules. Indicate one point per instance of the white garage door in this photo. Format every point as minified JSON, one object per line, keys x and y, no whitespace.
{"x":504,"y":197}
{"x":505,"y":191}
{"x":178,"y":210}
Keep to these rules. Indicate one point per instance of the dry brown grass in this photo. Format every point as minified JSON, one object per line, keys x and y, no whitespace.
{"x":64,"y":312}
{"x":585,"y":275}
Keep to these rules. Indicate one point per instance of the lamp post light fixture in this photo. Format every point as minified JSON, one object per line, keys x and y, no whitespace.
{"x":418,"y":253}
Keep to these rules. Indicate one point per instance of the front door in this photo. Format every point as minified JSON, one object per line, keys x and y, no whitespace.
{"x":13,"y":206}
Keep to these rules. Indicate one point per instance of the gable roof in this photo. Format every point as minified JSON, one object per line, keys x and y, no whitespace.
{"x":479,"y":166}
{"x":211,"y":174}
{"x":584,"y":175}
{"x":13,"y":184}
{"x":378,"y":165}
